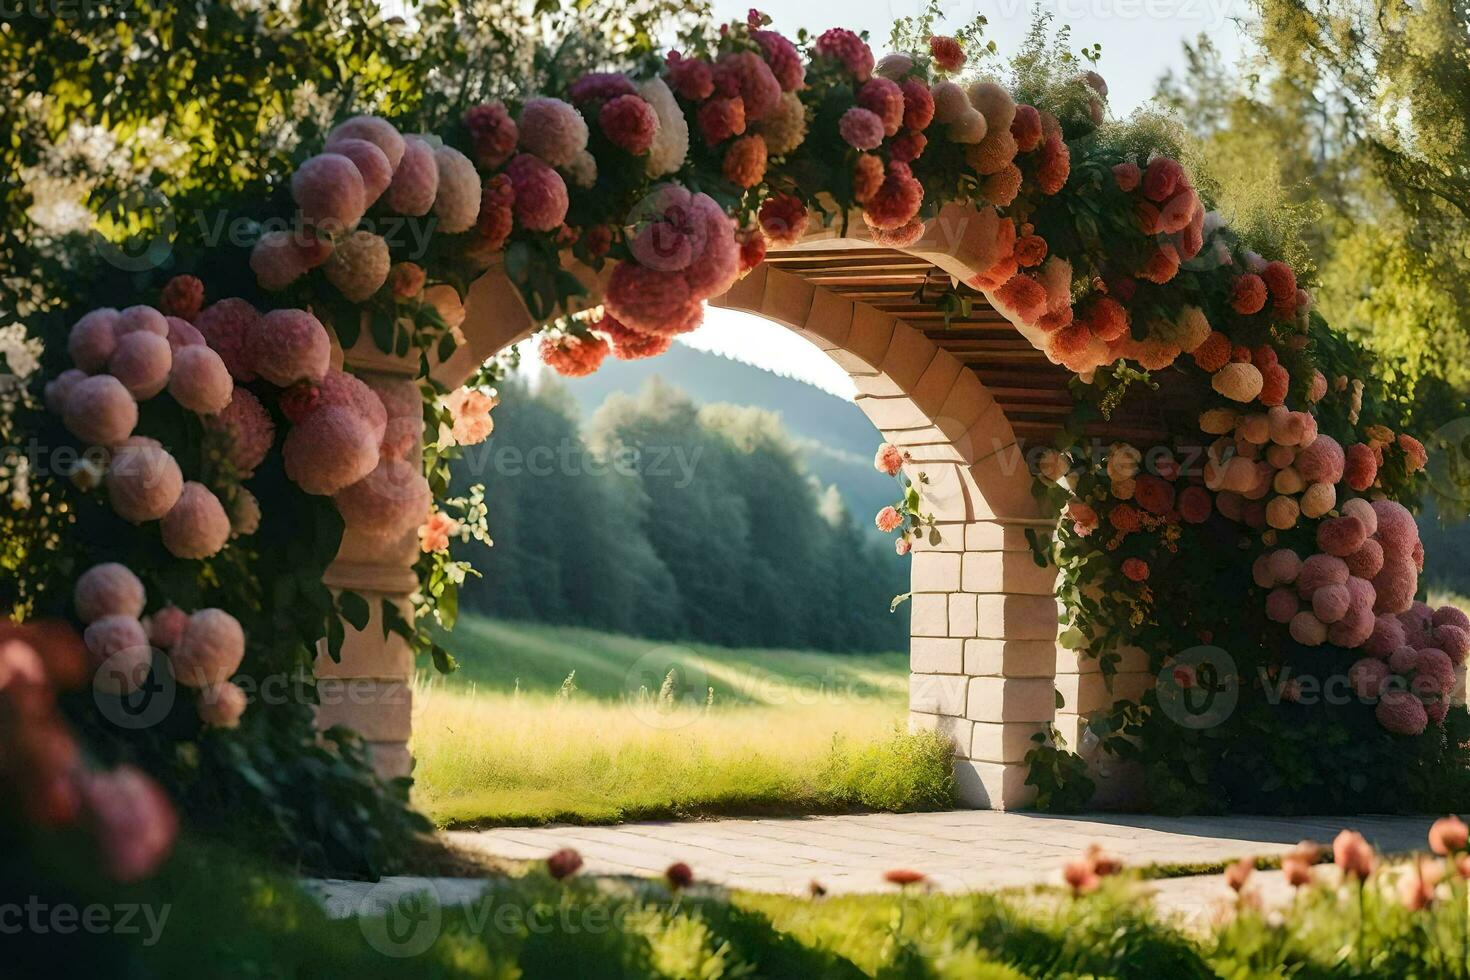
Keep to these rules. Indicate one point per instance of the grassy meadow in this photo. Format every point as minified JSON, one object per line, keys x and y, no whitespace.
{"x":545,"y":724}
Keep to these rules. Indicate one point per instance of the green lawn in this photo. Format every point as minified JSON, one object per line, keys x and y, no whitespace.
{"x":556,"y":724}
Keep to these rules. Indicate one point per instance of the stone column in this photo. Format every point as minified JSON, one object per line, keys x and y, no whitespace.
{"x":370,"y":689}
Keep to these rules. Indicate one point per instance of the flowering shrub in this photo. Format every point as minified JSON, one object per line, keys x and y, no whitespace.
{"x":224,"y":444}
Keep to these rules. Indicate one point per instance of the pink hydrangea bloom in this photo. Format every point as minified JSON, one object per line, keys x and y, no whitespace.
{"x":120,"y":651}
{"x":719,"y":119}
{"x":415,"y":180}
{"x":196,"y":526}
{"x":182,"y":296}
{"x":1395,"y":585}
{"x":1400,"y":713}
{"x":377,"y":131}
{"x":842,"y":45}
{"x":210,"y":649}
{"x":457,"y":201}
{"x":248,"y":428}
{"x":861,"y":128}
{"x":572,"y":356}
{"x":136,"y":825}
{"x":552,"y":130}
{"x":1321,"y":462}
{"x":278,"y":259}
{"x":782,"y":56}
{"x":1281,"y":605}
{"x":885,"y":100}
{"x":1367,"y":677}
{"x":92,"y":339}
{"x":359,"y":264}
{"x":166,"y":626}
{"x":388,"y":503}
{"x":100,"y":411}
{"x":1453,"y":640}
{"x":600,"y":86}
{"x":746,"y":76}
{"x":199,"y":380}
{"x":540,"y":193}
{"x":1397,"y":531}
{"x":140,"y":318}
{"x":221,"y":705}
{"x":1387,"y":636}
{"x":329,"y":190}
{"x":141,"y":361}
{"x":330,"y":449}
{"x":947,"y":54}
{"x":629,"y":122}
{"x":182,"y":333}
{"x":143,"y":482}
{"x":108,"y":589}
{"x":493,"y":134}
{"x":286,"y":346}
{"x":225,"y":326}
{"x":692,"y":78}
{"x":372,"y":166}
{"x":1450,"y":616}
{"x":897,"y":201}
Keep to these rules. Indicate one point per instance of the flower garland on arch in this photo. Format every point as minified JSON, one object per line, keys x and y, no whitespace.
{"x":674,"y":178}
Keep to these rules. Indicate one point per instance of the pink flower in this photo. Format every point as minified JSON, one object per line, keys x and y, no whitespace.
{"x":328,"y":189}
{"x":1361,"y":467}
{"x":650,"y":300}
{"x":377,"y":131}
{"x":861,"y":128}
{"x":182,"y":296}
{"x":553,"y":130}
{"x":1415,"y":458}
{"x":135,"y":823}
{"x":497,"y":212}
{"x":691,"y":78}
{"x":1353,"y":854}
{"x":143,"y":482}
{"x":903,"y":545}
{"x":287,"y":346}
{"x":719,"y":119}
{"x":783,"y":218}
{"x":406,"y":279}
{"x":1082,"y":516}
{"x":493,"y":134}
{"x":844,"y":46}
{"x":885,"y":100}
{"x":1401,"y":713}
{"x":331,"y":449}
{"x":141,"y":361}
{"x":166,"y":627}
{"x":889,"y":459}
{"x":99,"y":411}
{"x":434,"y":535}
{"x":629,"y":122}
{"x":248,"y":429}
{"x":572,"y":356}
{"x":199,"y":380}
{"x":389,"y":502}
{"x":196,"y":526}
{"x":225,"y":326}
{"x":888,"y":519}
{"x":1162,"y":178}
{"x":457,"y":202}
{"x":540,"y":193}
{"x":629,"y":344}
{"x":897,"y":201}
{"x":600,"y":86}
{"x":1135,"y":570}
{"x":563,"y":863}
{"x":782,"y":56}
{"x":1448,"y":835}
{"x":471,"y":408}
{"x":947,"y":53}
{"x":918,"y":104}
{"x":221,"y":705}
{"x":371,"y":163}
{"x":415,"y":180}
{"x":108,"y":589}
{"x":746,"y":76}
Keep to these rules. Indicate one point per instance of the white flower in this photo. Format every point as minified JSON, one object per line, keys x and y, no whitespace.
{"x":582,"y":171}
{"x":671,"y":142}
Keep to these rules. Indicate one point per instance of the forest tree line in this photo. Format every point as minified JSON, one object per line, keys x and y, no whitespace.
{"x":663,"y":518}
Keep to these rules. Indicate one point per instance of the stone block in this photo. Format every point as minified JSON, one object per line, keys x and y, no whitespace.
{"x":934,"y":571}
{"x":992,"y":785}
{"x":938,"y":694}
{"x":1009,"y":658}
{"x":962,"y":615}
{"x":1007,"y":571}
{"x":377,"y":710}
{"x":909,"y":354}
{"x":956,"y":729}
{"x":929,"y":614}
{"x":1017,"y":617}
{"x":1003,"y":742}
{"x":936,"y":655}
{"x":1011,"y":699}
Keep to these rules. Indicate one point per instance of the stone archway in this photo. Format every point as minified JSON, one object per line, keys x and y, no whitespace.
{"x":985,"y":667}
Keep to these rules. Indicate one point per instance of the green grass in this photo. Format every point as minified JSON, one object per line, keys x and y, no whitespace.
{"x":508,"y":739}
{"x":230,"y":917}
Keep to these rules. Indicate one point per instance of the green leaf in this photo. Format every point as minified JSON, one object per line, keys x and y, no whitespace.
{"x":384,"y":330}
{"x":354,"y":609}
{"x":899,"y":600}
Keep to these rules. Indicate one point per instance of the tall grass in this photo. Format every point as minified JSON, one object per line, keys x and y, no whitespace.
{"x":553,"y":724}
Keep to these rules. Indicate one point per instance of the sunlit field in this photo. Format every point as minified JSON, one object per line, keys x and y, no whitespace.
{"x":545,"y":724}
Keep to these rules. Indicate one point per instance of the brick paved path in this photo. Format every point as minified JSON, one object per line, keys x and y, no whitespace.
{"x":960,"y":850}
